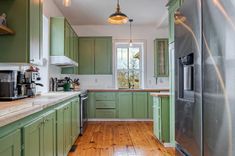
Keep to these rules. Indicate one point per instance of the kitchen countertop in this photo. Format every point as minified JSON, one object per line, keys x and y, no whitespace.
{"x":160,"y":94}
{"x":12,"y":111}
{"x":129,"y":90}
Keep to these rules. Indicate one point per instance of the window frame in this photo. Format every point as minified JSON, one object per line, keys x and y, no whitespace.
{"x":125,"y":43}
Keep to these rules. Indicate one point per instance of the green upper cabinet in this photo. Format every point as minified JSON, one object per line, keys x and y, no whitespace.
{"x":25,"y":46}
{"x":86,"y":56}
{"x":125,"y":105}
{"x":63,"y":43}
{"x":161,"y":58}
{"x":140,"y":105}
{"x":103,"y":55}
{"x":95,"y":55}
{"x":10,"y":145}
{"x":40,"y":136}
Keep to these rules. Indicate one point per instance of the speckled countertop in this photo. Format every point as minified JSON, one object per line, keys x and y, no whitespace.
{"x":16,"y":110}
{"x":160,"y":94}
{"x":129,"y":90}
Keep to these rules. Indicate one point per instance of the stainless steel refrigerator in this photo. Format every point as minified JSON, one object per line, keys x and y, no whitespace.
{"x":205,"y":77}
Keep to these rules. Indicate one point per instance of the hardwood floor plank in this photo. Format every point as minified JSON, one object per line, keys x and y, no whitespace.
{"x":120,"y":139}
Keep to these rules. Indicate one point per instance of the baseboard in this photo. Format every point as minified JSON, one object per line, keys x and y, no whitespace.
{"x":169,"y":145}
{"x":120,"y":119}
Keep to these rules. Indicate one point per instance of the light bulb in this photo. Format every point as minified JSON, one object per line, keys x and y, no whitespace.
{"x":131,"y":43}
{"x":67,"y":3}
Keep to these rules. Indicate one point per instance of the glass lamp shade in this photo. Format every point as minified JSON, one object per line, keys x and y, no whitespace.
{"x":67,"y":3}
{"x":118,"y":18}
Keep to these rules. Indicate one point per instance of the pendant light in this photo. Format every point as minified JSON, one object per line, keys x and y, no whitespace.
{"x":131,"y":42}
{"x":67,"y":3}
{"x":118,"y":17}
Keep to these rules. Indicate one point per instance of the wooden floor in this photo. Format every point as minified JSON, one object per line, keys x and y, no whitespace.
{"x":120,"y":139}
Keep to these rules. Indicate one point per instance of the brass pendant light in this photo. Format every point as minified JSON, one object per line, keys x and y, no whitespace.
{"x":67,"y":3}
{"x":118,"y":17}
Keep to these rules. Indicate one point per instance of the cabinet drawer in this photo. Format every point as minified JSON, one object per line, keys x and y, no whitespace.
{"x":105,"y":104}
{"x":105,"y":113}
{"x":105,"y":96}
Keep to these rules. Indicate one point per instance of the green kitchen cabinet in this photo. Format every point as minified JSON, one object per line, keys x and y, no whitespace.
{"x":40,"y":136}
{"x":161,"y":58}
{"x":91,"y":105}
{"x":25,"y":46}
{"x":62,"y":42}
{"x":86,"y":56}
{"x":95,"y":55}
{"x":125,"y":105}
{"x":64,"y":129}
{"x":140,"y":107}
{"x":10,"y":145}
{"x":150,"y":106}
{"x":103,"y":55}
{"x":161,"y":111}
{"x":75,"y":120}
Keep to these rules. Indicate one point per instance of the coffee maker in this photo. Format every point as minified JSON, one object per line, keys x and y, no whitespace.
{"x":11,"y":85}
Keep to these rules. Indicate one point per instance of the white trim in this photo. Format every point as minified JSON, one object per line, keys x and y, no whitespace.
{"x":169,"y":145}
{"x":101,"y":119}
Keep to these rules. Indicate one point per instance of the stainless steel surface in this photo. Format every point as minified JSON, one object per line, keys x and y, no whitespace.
{"x":219,"y":77}
{"x":188,"y":105}
{"x":83,"y":111}
{"x":188,"y":79}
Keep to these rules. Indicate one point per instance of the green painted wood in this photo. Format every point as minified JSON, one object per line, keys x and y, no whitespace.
{"x":33,"y":138}
{"x":75,"y":120}
{"x":125,"y":105}
{"x":49,"y":134}
{"x":91,"y":105}
{"x":105,"y":113}
{"x":105,"y":96}
{"x":105,"y":104}
{"x":103,"y":55}
{"x":140,"y":105}
{"x":165,"y":119}
{"x":17,"y":48}
{"x":161,"y":58}
{"x":150,"y":106}
{"x":86,"y":56}
{"x":10,"y":145}
{"x":156,"y":121}
{"x":66,"y":38}
{"x":67,"y":128}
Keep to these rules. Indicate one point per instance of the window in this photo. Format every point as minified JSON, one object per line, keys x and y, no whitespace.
{"x":129,"y":64}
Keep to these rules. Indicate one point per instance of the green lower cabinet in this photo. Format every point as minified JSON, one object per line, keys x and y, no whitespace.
{"x":39,"y":136}
{"x":64,"y":129}
{"x":105,"y":113}
{"x":140,"y":105}
{"x":91,"y":105}
{"x":150,"y":106}
{"x":75,"y":119}
{"x":10,"y":145}
{"x":125,"y":105}
{"x":161,"y":110}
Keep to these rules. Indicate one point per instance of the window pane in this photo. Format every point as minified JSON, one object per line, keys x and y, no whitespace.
{"x":134,"y":78}
{"x":122,"y":55}
{"x":134,"y":58}
{"x":123,"y":81}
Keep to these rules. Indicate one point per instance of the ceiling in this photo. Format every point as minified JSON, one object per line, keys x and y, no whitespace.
{"x":96,"y":12}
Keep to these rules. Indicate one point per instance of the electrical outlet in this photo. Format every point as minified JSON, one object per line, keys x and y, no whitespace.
{"x":96,"y":80}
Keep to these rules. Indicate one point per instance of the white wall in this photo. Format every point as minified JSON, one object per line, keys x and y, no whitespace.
{"x":144,"y":33}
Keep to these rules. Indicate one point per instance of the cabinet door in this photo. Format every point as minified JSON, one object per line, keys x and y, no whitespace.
{"x":60,"y":131}
{"x":165,"y":119}
{"x":33,"y":138}
{"x":140,"y":105}
{"x":103,"y":55}
{"x":67,"y":128}
{"x":86,"y":56}
{"x":91,"y":105}
{"x":49,"y":134}
{"x":75,"y":120}
{"x":156,"y":117}
{"x":35,"y":35}
{"x":10,"y":145}
{"x":161,"y":56}
{"x":125,"y":105}
{"x":67,"y":39}
{"x":150,"y":106}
